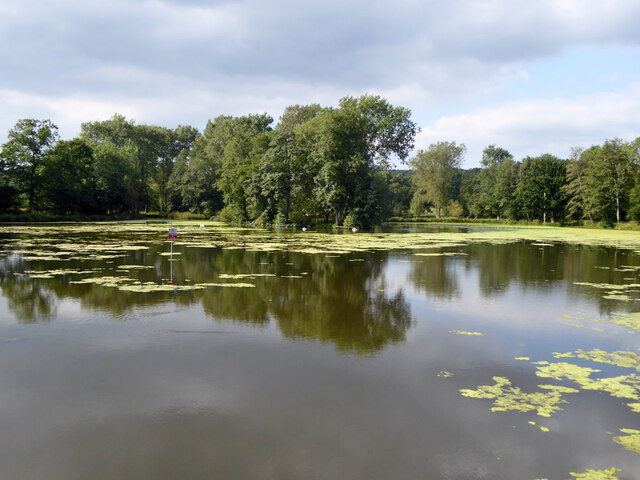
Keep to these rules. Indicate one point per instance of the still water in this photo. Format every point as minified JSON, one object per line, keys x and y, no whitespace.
{"x":330,"y":356}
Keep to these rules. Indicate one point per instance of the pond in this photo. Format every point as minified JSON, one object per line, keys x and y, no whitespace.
{"x":447,"y":353}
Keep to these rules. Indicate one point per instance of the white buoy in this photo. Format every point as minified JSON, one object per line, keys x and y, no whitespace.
{"x":304,"y":229}
{"x":354,"y":229}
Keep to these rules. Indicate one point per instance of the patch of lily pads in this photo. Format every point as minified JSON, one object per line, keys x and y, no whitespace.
{"x":136,"y":236}
{"x":464,"y":332}
{"x":506,"y":397}
{"x":589,"y":474}
{"x":630,"y":441}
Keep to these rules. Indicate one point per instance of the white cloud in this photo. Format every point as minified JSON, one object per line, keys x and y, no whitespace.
{"x":185,"y":61}
{"x":537,"y":126}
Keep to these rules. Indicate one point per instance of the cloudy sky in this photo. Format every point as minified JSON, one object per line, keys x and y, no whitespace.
{"x":529,"y":76}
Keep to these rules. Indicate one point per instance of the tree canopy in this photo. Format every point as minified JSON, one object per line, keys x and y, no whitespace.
{"x":316,"y":164}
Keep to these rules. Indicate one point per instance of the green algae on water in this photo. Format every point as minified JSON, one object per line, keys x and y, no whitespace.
{"x":623,"y":386}
{"x":508,"y":398}
{"x":445,"y":374}
{"x":150,"y":287}
{"x":608,"y":474}
{"x":245,"y":275}
{"x":463,"y":332}
{"x":630,"y":441}
{"x":621,"y":358}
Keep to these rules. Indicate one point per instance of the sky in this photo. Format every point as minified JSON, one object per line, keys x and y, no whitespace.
{"x":532,"y":77}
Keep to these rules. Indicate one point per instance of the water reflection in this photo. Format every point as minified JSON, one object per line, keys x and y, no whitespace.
{"x":308,"y":296}
{"x":437,"y":276}
{"x":29,"y":300}
{"x":148,"y":398}
{"x":328,"y":298}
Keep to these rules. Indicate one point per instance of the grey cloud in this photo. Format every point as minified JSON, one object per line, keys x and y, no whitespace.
{"x":158,"y":55}
{"x":359,"y":44}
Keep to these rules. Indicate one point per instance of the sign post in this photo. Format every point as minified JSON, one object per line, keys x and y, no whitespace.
{"x":173,"y":235}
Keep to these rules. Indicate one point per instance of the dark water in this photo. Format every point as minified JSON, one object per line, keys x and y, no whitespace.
{"x":328,"y":370}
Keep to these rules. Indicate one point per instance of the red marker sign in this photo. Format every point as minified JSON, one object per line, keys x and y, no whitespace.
{"x":173,"y":234}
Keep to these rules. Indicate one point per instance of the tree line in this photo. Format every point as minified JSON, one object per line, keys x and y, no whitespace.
{"x":600,"y":184}
{"x":316,"y":163}
{"x":322,"y":164}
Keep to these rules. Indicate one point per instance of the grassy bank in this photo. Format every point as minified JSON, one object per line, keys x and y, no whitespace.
{"x":631,"y":225}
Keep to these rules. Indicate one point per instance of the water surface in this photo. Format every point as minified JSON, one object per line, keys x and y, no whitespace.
{"x":330,"y":360}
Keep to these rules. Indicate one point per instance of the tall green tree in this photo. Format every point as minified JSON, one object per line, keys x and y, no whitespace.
{"x":8,"y":192}
{"x":575,"y":186}
{"x":285,"y":171}
{"x":113,"y":170}
{"x":171,"y":144}
{"x":539,"y":191}
{"x":434,"y":170}
{"x":470,"y":192}
{"x":69,"y":184}
{"x":495,"y":182}
{"x":29,"y":143}
{"x":353,"y":140}
{"x":609,"y":180}
{"x":117,"y":130}
{"x":241,"y":156}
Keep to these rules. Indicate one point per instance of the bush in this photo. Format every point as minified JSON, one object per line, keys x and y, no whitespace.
{"x":8,"y":198}
{"x":228,"y":214}
{"x":186,"y":216}
{"x":280,"y":220}
{"x":349,"y":221}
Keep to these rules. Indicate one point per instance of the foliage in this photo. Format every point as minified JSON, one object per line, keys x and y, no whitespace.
{"x":315,"y":166}
{"x":539,"y":192}
{"x":434,"y":171}
{"x":29,"y":142}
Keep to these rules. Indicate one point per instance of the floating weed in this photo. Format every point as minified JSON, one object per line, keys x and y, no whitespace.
{"x":635,"y":407}
{"x":440,"y":254}
{"x":149,"y":287}
{"x":559,"y":371}
{"x":630,"y":441}
{"x":291,"y":276}
{"x":134,"y":267}
{"x":168,"y":254}
{"x":236,"y":285}
{"x":509,"y":398}
{"x":563,"y":355}
{"x":544,"y":429}
{"x":623,"y":386}
{"x":621,"y":358}
{"x":44,"y":258}
{"x":629,"y":320}
{"x":445,"y":374}
{"x":608,"y":474}
{"x":522,"y":358}
{"x":245,"y":275}
{"x":621,"y":297}
{"x":107,"y":281}
{"x":463,"y":332}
